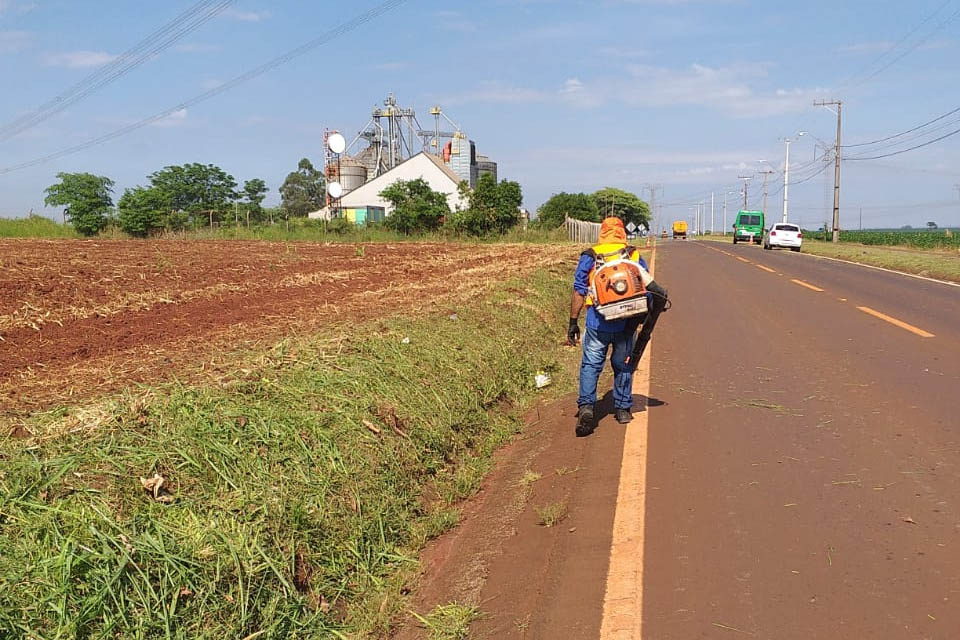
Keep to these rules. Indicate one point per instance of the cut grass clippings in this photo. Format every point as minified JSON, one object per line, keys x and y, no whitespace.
{"x":283,"y":514}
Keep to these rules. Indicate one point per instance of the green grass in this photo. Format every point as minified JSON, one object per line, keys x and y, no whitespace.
{"x":930,"y":239}
{"x":35,"y":227}
{"x":552,"y":514}
{"x":284,"y":515}
{"x":450,"y":621}
{"x":941,"y":264}
{"x":298,"y":230}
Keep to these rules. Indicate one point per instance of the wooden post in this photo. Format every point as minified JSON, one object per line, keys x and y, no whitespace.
{"x":248,"y":218}
{"x":211,"y":218}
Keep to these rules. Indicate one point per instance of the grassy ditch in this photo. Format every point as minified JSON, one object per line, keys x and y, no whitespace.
{"x":942,"y":264}
{"x":295,"y":496}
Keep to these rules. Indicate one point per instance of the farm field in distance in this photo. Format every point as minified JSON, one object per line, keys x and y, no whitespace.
{"x":81,"y":318}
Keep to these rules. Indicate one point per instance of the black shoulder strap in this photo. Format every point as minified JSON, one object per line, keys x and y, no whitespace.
{"x":589,"y":253}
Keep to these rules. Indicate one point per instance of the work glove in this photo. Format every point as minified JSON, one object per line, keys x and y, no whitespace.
{"x":573,"y":332}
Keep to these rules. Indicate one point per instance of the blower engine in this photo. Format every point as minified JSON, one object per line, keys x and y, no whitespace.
{"x":618,"y":289}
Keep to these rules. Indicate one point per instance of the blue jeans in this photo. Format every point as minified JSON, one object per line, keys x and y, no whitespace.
{"x":595,"y":346}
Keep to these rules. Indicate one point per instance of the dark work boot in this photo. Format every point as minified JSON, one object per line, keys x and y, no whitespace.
{"x":586,"y":422}
{"x":623,"y":416}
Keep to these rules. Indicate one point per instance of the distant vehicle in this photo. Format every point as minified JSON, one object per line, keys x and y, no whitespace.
{"x":680,"y":230}
{"x":783,"y":234}
{"x":748,"y":227}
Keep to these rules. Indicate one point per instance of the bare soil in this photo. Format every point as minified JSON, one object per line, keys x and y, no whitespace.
{"x":80,"y":318}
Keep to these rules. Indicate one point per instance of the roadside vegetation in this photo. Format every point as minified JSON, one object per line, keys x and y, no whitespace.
{"x":943,"y":264}
{"x":933,"y":254}
{"x":288,"y":501}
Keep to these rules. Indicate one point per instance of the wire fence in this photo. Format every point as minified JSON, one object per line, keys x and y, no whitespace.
{"x":582,"y":232}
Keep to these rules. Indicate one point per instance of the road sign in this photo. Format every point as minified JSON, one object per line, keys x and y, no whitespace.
{"x":631,"y":227}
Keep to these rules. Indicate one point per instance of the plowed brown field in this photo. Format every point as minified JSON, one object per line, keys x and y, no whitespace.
{"x":80,"y":318}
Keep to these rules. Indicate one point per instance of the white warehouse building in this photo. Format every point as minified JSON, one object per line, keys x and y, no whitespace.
{"x":365,"y":204}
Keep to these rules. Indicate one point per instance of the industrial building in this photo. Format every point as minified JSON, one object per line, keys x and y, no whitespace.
{"x":363,"y":203}
{"x":396,"y":148}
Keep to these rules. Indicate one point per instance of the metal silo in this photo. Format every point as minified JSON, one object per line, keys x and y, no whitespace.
{"x":460,"y":156}
{"x":486,"y":166}
{"x":352,"y":174}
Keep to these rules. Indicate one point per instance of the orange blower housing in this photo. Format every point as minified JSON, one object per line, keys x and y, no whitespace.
{"x":618,"y":290}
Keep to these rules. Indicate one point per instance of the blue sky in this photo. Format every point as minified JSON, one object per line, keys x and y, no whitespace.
{"x":567,"y":95}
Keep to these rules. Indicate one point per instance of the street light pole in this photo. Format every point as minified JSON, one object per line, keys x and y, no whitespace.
{"x":786,"y":175}
{"x":711,"y":213}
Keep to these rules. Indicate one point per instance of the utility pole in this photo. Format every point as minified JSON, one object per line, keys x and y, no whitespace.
{"x":861,"y":218}
{"x":836,"y":170}
{"x":745,"y":179}
{"x":766,"y":174}
{"x":711,"y":212}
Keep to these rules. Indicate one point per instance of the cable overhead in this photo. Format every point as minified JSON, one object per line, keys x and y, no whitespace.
{"x":846,"y":83}
{"x":896,"y":153}
{"x":148,"y":48}
{"x":324,"y":38}
{"x":903,"y":133}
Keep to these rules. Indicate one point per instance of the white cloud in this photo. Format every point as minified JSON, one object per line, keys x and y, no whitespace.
{"x":13,"y":41}
{"x":79,"y":59}
{"x":729,"y":89}
{"x":246,"y":16}
{"x":16,"y":6}
{"x":175,"y":119}
{"x":495,"y":93}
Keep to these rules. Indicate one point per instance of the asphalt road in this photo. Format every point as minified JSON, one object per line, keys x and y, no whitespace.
{"x":794,"y":471}
{"x":803,"y":478}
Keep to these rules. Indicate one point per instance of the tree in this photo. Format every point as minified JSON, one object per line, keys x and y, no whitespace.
{"x":142,"y":210}
{"x":580,"y":206}
{"x":86,"y":199}
{"x":624,"y":205}
{"x":416,"y":207}
{"x":195,"y":189}
{"x":303,"y":190}
{"x":492,"y":208}
{"x":255,"y":190}
{"x":932,"y":225}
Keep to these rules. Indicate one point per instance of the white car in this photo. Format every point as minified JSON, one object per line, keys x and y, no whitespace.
{"x":783,"y":234}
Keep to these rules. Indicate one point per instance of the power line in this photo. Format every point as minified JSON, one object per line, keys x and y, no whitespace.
{"x":326,"y":37}
{"x":903,"y":133}
{"x":184,"y":24}
{"x":896,"y":153}
{"x":846,"y":83}
{"x":940,"y":26}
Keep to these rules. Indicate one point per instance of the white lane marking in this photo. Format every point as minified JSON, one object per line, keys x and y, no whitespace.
{"x":870,"y":266}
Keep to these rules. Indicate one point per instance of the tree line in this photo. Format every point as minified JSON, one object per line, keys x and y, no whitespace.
{"x":180,"y":197}
{"x":594,"y":207}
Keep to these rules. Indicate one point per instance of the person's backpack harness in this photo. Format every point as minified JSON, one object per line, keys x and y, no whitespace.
{"x":616,"y":284}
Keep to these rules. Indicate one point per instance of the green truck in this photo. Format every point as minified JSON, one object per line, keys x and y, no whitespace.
{"x":748,"y":227}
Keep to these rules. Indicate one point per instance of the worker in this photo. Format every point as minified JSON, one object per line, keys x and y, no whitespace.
{"x":601,"y":334}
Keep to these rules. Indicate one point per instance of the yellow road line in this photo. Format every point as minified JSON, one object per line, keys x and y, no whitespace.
{"x":768,"y":269}
{"x":805,"y":284}
{"x":623,"y":599}
{"x":899,"y":323}
{"x":743,"y":260}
